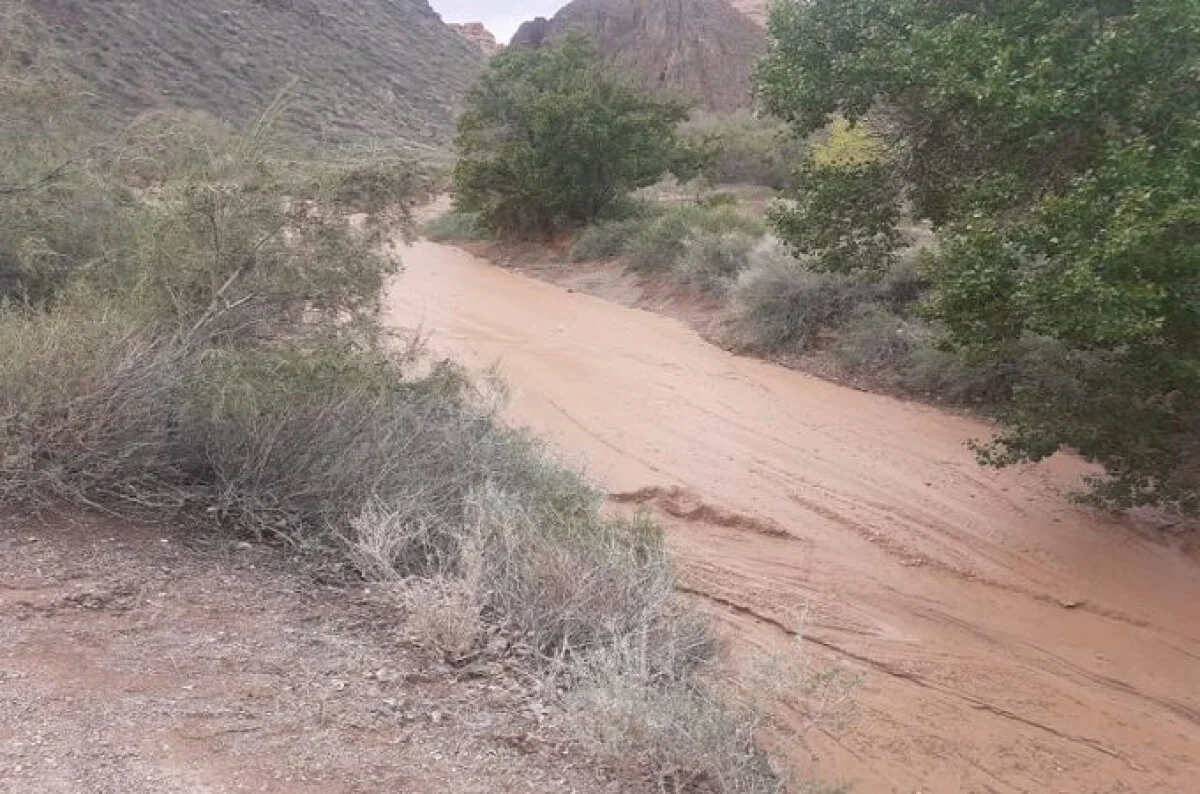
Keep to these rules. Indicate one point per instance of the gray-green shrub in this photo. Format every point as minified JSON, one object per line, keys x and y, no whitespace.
{"x":454,"y":226}
{"x":712,"y":261}
{"x":605,"y":240}
{"x":661,"y":242}
{"x":879,"y":343}
{"x":781,"y":305}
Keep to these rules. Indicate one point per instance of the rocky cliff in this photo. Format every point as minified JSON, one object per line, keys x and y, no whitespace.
{"x":702,"y":49}
{"x":478,"y":35}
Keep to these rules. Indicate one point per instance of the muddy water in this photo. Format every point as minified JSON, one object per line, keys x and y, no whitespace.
{"x":1010,"y":641}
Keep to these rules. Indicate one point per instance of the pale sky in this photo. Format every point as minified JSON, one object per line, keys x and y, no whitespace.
{"x":501,"y":17}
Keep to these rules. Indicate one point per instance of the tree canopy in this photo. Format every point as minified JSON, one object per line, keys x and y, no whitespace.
{"x":549,"y":138}
{"x":1055,"y":146}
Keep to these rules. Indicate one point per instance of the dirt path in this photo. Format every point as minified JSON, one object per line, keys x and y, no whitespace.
{"x":140,"y":662}
{"x":1011,"y":642}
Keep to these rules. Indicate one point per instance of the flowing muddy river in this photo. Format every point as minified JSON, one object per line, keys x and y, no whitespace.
{"x":1010,"y":641}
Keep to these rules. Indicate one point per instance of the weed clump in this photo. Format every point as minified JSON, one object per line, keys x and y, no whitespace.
{"x":781,"y":305}
{"x":661,"y":243}
{"x":454,"y":227}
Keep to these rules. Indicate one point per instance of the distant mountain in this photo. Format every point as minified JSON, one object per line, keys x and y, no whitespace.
{"x":355,"y":70}
{"x":703,"y":49}
{"x":478,"y":35}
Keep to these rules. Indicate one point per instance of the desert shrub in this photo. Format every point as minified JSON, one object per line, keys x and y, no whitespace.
{"x":454,"y":226}
{"x":693,"y":738}
{"x":712,"y":261}
{"x":750,"y":149}
{"x":701,"y":737}
{"x":56,"y":215}
{"x":241,"y":258}
{"x":721,"y":198}
{"x":582,"y":583}
{"x":605,"y":240}
{"x":950,"y":377}
{"x":658,"y":245}
{"x":878,"y":343}
{"x":331,"y":445}
{"x":164,"y":144}
{"x":780,"y":304}
{"x":52,"y":231}
{"x":88,"y":395}
{"x":382,"y":187}
{"x":905,"y":284}
{"x":1035,"y":365}
{"x":295,"y":443}
{"x":661,"y":242}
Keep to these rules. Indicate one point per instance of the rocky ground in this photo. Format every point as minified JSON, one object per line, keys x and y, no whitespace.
{"x":141,"y":660}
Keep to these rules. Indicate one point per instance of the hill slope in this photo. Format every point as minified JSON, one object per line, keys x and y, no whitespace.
{"x":363,"y":69}
{"x":703,"y":49}
{"x":755,"y":9}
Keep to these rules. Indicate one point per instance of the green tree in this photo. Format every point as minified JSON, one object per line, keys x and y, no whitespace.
{"x":550,"y":139}
{"x":1055,"y":145}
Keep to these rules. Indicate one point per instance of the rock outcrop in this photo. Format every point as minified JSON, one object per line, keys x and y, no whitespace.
{"x":478,"y":35}
{"x":704,"y":50}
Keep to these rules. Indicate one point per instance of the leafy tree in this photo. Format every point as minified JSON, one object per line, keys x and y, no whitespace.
{"x":549,"y":139}
{"x":1055,"y":144}
{"x":844,"y":204}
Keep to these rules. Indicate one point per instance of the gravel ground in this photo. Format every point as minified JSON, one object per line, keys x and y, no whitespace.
{"x":133,"y":660}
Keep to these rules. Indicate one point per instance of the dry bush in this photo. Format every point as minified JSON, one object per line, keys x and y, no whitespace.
{"x":697,"y":734}
{"x":581,"y":584}
{"x":818,"y":694}
{"x":87,"y":402}
{"x":779,"y":304}
{"x":56,"y":215}
{"x":535,"y":552}
{"x":661,"y":242}
{"x":453,"y":227}
{"x":691,"y":738}
{"x":445,"y":615}
{"x":595,"y":601}
{"x":711,"y":261}
{"x":880,"y":344}
{"x":297,"y":443}
{"x":604,"y":240}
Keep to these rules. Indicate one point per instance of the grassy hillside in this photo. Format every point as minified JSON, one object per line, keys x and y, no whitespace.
{"x":359,"y":70}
